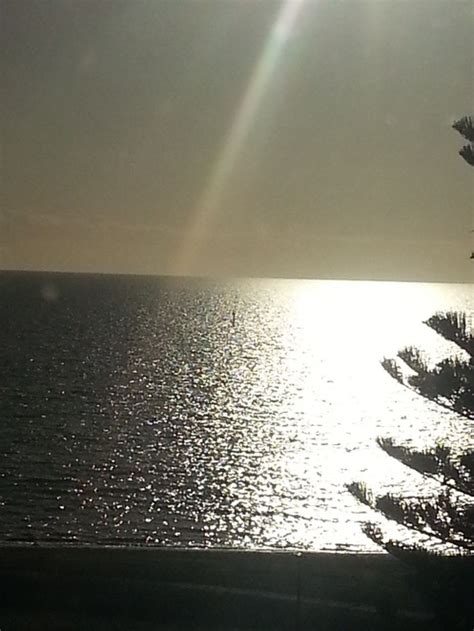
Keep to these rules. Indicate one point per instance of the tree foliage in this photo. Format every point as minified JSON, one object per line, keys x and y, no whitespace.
{"x":448,"y":518}
{"x":450,"y":382}
{"x":465,"y":126}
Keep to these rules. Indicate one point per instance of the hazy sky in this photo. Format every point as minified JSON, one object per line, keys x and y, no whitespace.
{"x":300,"y":138}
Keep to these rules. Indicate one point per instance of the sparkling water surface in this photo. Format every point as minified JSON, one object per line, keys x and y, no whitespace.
{"x":154,"y":411}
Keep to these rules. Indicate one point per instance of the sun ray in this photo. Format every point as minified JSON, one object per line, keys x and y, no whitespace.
{"x":245,"y":117}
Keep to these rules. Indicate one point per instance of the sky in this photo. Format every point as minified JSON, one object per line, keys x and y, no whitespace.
{"x":304,"y":138}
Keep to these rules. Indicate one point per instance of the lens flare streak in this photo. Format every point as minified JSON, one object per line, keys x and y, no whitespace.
{"x":245,"y":117}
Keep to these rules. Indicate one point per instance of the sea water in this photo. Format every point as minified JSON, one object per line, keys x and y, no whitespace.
{"x":159,"y":411}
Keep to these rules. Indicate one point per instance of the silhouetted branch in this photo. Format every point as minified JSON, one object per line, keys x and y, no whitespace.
{"x":449,"y":384}
{"x":465,"y":126}
{"x":449,"y":517}
{"x":442,"y":519}
{"x":413,"y":359}
{"x":453,"y":326}
{"x":437,"y":463}
{"x":391,"y":366}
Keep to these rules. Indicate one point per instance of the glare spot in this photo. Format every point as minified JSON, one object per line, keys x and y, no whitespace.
{"x":49,"y":292}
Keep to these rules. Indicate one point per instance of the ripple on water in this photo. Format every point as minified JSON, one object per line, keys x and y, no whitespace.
{"x":133,"y":410}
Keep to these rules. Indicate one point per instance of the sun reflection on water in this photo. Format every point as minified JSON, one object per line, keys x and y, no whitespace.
{"x":179,"y":426}
{"x":333,"y":338}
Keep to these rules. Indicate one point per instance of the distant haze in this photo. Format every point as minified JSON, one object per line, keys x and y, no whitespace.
{"x":298,"y":139}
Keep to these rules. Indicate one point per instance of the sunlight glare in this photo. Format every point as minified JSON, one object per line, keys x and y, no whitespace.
{"x":244,"y":119}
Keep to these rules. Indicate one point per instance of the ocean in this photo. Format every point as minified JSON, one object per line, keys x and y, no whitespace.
{"x":175,"y":412}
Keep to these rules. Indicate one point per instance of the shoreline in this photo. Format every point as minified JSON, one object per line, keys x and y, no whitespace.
{"x":205,"y":589}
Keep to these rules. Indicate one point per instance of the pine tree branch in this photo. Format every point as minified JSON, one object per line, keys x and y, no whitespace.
{"x":435,"y":464}
{"x":414,"y":553}
{"x":422,"y":517}
{"x":449,"y":384}
{"x":453,"y":326}
{"x":467,"y":152}
{"x":465,"y":126}
{"x":391,"y":367}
